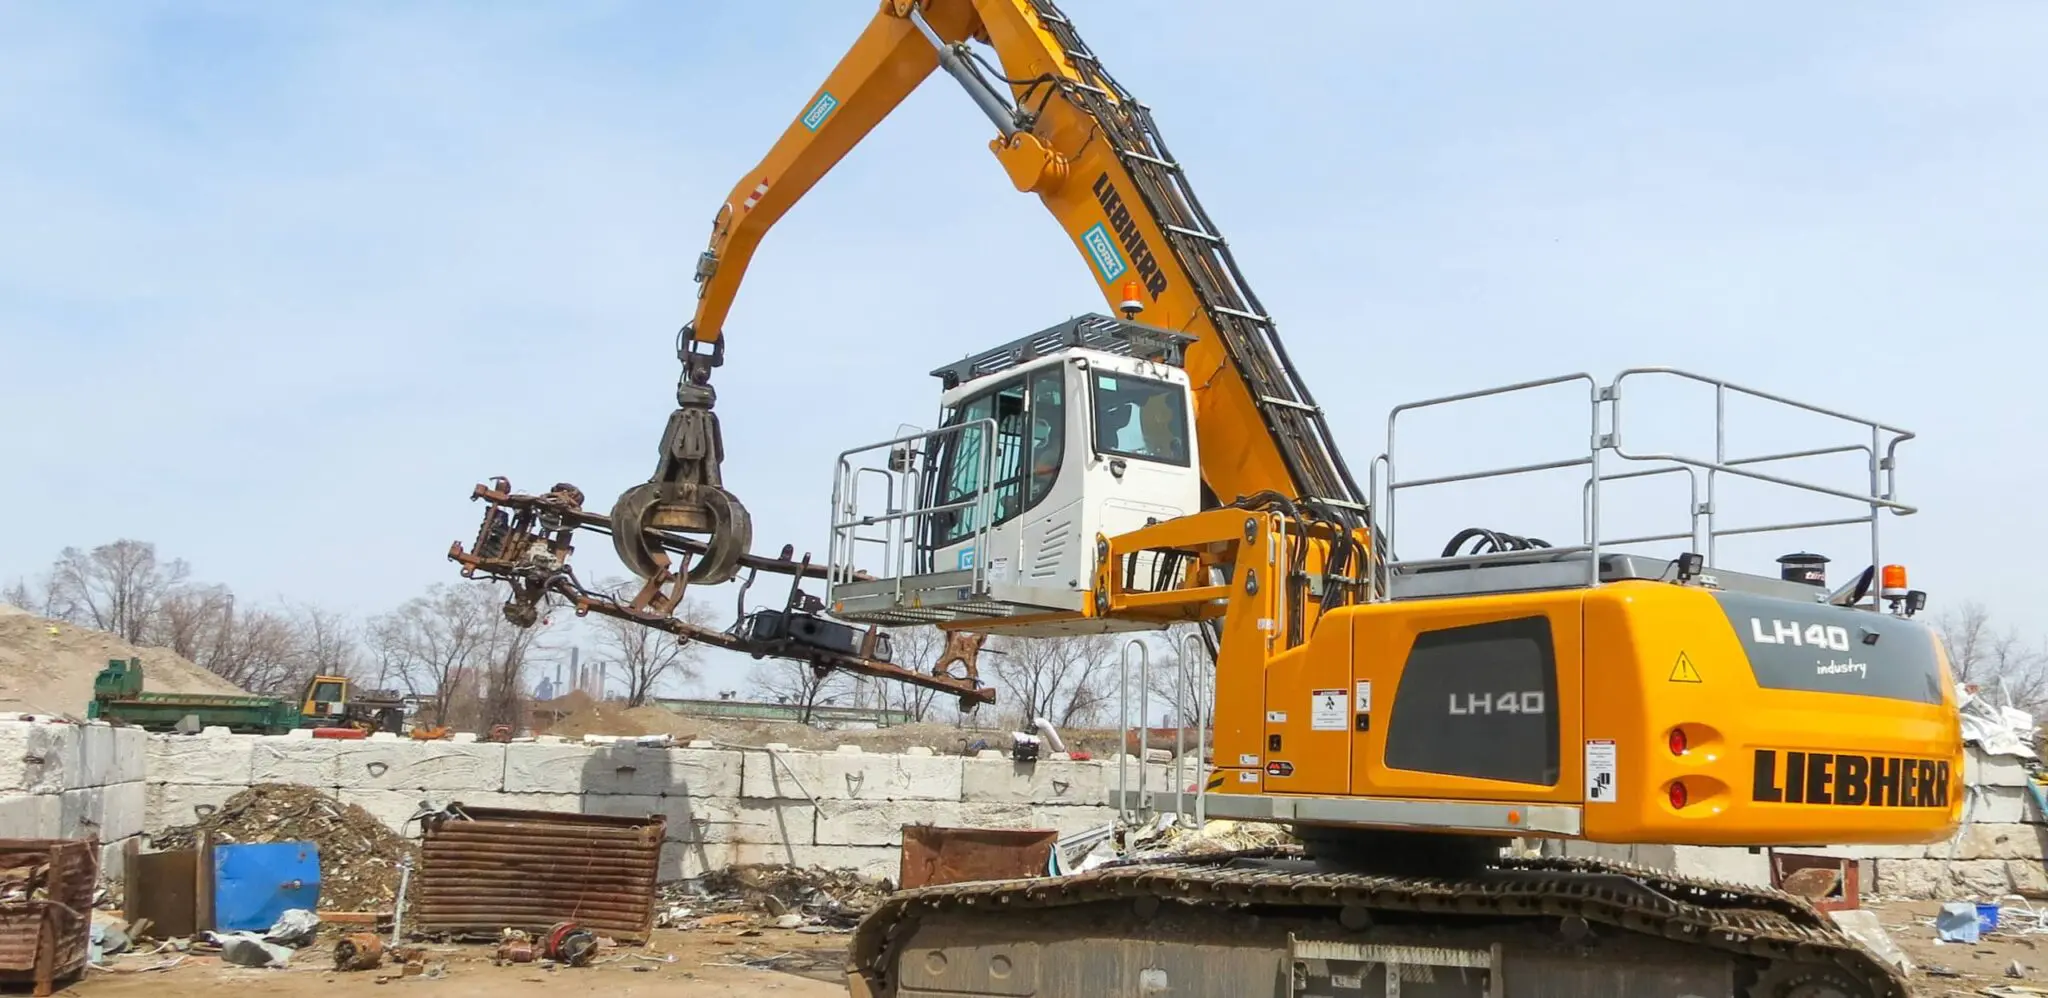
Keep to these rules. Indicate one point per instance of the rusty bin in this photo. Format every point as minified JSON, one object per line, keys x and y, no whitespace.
{"x":44,"y":935}
{"x":934,"y":855}
{"x":483,"y":870}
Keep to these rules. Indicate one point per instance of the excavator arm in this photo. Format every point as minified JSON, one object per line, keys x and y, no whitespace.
{"x":1070,"y":134}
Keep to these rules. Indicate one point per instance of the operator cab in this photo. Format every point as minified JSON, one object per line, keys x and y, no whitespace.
{"x":1082,"y":430}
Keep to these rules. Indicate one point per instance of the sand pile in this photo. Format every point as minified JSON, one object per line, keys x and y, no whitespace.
{"x":609,"y":718}
{"x":359,"y":855}
{"x":47,"y":667}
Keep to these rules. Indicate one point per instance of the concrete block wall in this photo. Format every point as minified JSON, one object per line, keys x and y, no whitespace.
{"x":723,"y":806}
{"x":1998,"y":850}
{"x":64,"y":780}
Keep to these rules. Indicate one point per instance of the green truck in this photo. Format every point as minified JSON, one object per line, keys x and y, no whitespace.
{"x":117,"y":696}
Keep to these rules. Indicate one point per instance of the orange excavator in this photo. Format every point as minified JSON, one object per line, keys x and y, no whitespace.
{"x":1410,"y":719}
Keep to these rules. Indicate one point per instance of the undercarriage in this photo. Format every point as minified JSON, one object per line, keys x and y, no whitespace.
{"x":1278,"y":923}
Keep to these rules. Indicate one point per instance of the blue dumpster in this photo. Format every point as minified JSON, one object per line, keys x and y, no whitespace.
{"x":253,"y":883}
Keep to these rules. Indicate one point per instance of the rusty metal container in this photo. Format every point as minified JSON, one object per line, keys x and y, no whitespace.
{"x":43,"y":940}
{"x":501,"y":868}
{"x":934,"y":855}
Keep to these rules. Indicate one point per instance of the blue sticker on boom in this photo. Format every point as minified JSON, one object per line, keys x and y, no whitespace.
{"x":820,"y":110}
{"x":1109,"y":261}
{"x":966,"y":558}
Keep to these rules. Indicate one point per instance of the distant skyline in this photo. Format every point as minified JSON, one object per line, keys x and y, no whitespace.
{"x":280,"y":282}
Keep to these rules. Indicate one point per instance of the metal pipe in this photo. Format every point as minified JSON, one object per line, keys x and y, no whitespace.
{"x":1196,"y":647}
{"x":1123,"y":708}
{"x":979,"y":90}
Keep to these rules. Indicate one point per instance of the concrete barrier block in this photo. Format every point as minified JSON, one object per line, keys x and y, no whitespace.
{"x":880,"y":823}
{"x":131,"y":756}
{"x":79,"y":813}
{"x":284,"y":759}
{"x":690,"y":860}
{"x":1979,"y":841}
{"x":95,"y":747}
{"x":1731,"y":864}
{"x":1069,"y":820}
{"x":1980,"y":769}
{"x":176,"y":805}
{"x":779,"y":822}
{"x":1999,"y":806}
{"x":1003,"y":780}
{"x":114,"y":859}
{"x":123,"y":808}
{"x":20,"y":770}
{"x":302,"y":734}
{"x":1866,"y":852}
{"x":184,"y":759}
{"x":29,"y":816}
{"x":444,"y":766}
{"x":876,"y":862}
{"x":47,"y":758}
{"x":392,"y":807}
{"x":625,"y":805}
{"x":849,"y":776}
{"x":1936,"y":878}
{"x":556,"y":803}
{"x":621,"y":768}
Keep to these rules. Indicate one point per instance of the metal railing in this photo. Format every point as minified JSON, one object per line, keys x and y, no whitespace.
{"x":898,"y":532}
{"x":1191,"y":809}
{"x":1878,"y":443}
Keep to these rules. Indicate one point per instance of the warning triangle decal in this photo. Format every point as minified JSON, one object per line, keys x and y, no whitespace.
{"x":1683,"y":672}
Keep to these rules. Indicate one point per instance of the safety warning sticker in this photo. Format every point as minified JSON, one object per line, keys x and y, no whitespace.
{"x":1365,"y":696}
{"x":1329,"y":710}
{"x":1683,"y":671}
{"x":1600,"y":788}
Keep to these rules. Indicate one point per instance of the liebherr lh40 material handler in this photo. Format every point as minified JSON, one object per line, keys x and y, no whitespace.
{"x":1168,"y":464}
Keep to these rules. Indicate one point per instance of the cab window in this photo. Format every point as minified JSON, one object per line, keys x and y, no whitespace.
{"x":1141,"y":418}
{"x":1030,"y":428}
{"x":1048,"y":432}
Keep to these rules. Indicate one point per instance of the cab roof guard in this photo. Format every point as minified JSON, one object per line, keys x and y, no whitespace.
{"x":1608,"y":449}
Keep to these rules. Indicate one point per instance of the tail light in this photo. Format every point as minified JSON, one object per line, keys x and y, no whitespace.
{"x":1677,"y":742}
{"x":1678,"y":796}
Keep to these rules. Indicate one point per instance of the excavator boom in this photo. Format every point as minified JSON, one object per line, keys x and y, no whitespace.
{"x":1069,"y":133}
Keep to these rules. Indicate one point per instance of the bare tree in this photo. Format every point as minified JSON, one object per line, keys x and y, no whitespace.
{"x":254,"y":648}
{"x":502,"y":695}
{"x":325,"y":643}
{"x":1192,"y":703}
{"x":435,"y":644}
{"x":797,"y":684}
{"x":1981,"y":652}
{"x":35,"y":598}
{"x":644,"y":655}
{"x":1068,"y":680}
{"x":914,"y":648}
{"x":117,"y":587}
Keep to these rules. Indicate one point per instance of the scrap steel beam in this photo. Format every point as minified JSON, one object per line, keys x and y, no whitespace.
{"x":525,"y":541}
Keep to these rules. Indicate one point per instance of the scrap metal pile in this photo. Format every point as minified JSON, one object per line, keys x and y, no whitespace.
{"x":359,"y":855}
{"x":525,"y":540}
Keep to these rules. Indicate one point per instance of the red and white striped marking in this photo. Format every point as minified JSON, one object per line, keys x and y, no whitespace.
{"x":759,"y":189}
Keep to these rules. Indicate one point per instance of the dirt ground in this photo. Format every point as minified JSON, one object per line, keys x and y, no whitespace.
{"x":1945,"y":969}
{"x":47,"y":667}
{"x":709,"y":961}
{"x":702,"y":963}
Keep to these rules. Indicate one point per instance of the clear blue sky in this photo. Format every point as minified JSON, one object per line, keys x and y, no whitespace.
{"x":280,"y":282}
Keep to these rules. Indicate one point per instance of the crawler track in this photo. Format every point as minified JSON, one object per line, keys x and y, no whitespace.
{"x":1786,"y":948}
